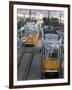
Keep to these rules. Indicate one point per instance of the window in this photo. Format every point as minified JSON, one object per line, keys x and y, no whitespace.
{"x":51,"y":52}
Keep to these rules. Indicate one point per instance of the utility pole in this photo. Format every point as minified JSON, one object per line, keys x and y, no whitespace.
{"x":48,"y":13}
{"x":48,"y":16}
{"x":60,"y":16}
{"x":24,"y":16}
{"x":29,"y":14}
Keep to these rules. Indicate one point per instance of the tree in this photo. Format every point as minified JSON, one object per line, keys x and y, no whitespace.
{"x":51,"y":21}
{"x":54,"y":21}
{"x":20,"y":23}
{"x":45,"y":21}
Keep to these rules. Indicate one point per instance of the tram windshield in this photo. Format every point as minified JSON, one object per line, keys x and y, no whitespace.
{"x":51,"y":52}
{"x":51,"y":37}
{"x":29,"y":32}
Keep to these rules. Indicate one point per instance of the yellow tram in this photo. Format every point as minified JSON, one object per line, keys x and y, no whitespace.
{"x":51,"y":54}
{"x":31,"y":33}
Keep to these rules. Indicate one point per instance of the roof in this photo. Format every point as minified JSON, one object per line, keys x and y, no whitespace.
{"x":30,"y":24}
{"x":51,"y":32}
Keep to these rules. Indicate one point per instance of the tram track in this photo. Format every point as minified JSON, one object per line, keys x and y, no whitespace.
{"x":28,"y":67}
{"x":24,"y":64}
{"x":18,"y":64}
{"x":21,"y":55}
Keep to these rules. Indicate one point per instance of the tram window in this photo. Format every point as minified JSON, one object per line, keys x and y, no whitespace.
{"x":55,"y":54}
{"x":51,"y":37}
{"x":52,"y":53}
{"x":29,"y":32}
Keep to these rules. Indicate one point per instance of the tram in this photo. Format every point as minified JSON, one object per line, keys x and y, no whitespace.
{"x":51,"y":63}
{"x":31,"y":33}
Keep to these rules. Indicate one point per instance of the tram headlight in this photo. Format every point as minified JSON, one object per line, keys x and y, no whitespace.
{"x":23,"y":39}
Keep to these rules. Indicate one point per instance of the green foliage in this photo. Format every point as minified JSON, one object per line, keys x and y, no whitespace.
{"x":20,"y":23}
{"x":45,"y":21}
{"x":52,"y":22}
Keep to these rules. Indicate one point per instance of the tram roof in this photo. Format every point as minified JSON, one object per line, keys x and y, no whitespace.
{"x":30,"y":24}
{"x":50,"y":32}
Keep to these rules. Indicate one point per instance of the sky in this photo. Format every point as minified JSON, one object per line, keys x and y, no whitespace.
{"x":41,"y":13}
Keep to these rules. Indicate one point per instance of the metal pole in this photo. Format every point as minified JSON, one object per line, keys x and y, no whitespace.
{"x":29,"y":14}
{"x":48,"y":13}
{"x":60,"y":16}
